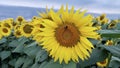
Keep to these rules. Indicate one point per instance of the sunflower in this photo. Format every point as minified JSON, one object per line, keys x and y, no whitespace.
{"x":1,"y":35}
{"x":47,"y":14}
{"x":112,"y":24}
{"x":5,"y":31}
{"x":26,"y":29}
{"x":102,"y":19}
{"x":65,"y":37}
{"x":37,"y":26}
{"x":7,"y":24}
{"x":103,"y":63}
{"x":109,"y":42}
{"x":17,"y":33}
{"x":20,"y":19}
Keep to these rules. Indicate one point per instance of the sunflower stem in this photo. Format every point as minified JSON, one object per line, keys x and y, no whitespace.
{"x":109,"y":58}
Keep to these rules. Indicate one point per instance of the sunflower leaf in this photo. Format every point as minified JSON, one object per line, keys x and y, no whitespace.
{"x":114,"y":64}
{"x":70,"y":65}
{"x":35,"y":65}
{"x":31,"y":51}
{"x":53,"y":64}
{"x":3,"y":40}
{"x":20,"y":46}
{"x":43,"y":64}
{"x":4,"y":65}
{"x":12,"y":62}
{"x":96,"y":53}
{"x":19,"y":62}
{"x":5,"y":54}
{"x":13,"y":43}
{"x":41,"y":56}
{"x":27,"y":63}
{"x":115,"y":50}
{"x":110,"y":33}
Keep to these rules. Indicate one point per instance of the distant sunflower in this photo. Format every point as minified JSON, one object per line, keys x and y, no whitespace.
{"x":7,"y":24}
{"x":109,"y":42}
{"x":65,"y":36}
{"x":47,"y":14}
{"x":112,"y":24}
{"x":17,"y":33}
{"x":103,"y":63}
{"x":20,"y":19}
{"x":102,"y":19}
{"x":27,"y":29}
{"x":15,"y":24}
{"x":1,"y":35}
{"x":5,"y":31}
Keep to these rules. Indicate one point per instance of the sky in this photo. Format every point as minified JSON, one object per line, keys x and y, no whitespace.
{"x":94,"y":6}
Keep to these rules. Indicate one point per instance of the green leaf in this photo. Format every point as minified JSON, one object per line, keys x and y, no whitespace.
{"x":5,"y":54}
{"x":115,"y":50}
{"x":35,"y":65}
{"x":53,"y":64}
{"x":70,"y":65}
{"x":3,"y":40}
{"x":41,"y":56}
{"x":32,"y":44}
{"x":19,"y":62}
{"x":12,"y":62}
{"x":104,"y":26}
{"x":19,"y":49}
{"x":14,"y":43}
{"x":118,"y":26}
{"x":43,"y":64}
{"x":110,"y":33}
{"x":31,"y":51}
{"x":114,"y":64}
{"x":27,"y":63}
{"x":96,"y":56}
{"x":4,"y":65}
{"x":20,"y":46}
{"x":116,"y":58}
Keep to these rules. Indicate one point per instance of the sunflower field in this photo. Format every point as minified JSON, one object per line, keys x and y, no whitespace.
{"x":60,"y":39}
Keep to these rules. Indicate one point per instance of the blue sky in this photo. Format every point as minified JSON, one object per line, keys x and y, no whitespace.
{"x":95,"y":6}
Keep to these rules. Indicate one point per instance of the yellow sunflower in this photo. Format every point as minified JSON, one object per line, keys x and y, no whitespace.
{"x":103,"y":63}
{"x":17,"y":33}
{"x":37,"y":26}
{"x":65,"y":36}
{"x":5,"y":31}
{"x":20,"y":19}
{"x":26,"y":29}
{"x":112,"y":24}
{"x":7,"y":24}
{"x":109,"y":42}
{"x":102,"y":19}
{"x":47,"y":14}
{"x":1,"y":36}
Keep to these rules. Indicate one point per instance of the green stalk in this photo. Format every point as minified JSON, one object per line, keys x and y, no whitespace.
{"x":109,"y":58}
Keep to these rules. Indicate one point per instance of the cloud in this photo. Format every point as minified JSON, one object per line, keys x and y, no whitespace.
{"x":96,"y":6}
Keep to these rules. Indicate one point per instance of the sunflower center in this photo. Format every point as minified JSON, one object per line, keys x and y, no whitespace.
{"x":103,"y":62}
{"x":5,"y":30}
{"x":102,"y":17}
{"x":7,"y":25}
{"x":67,"y":35}
{"x":28,"y":29}
{"x":18,"y":33}
{"x":20,"y":19}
